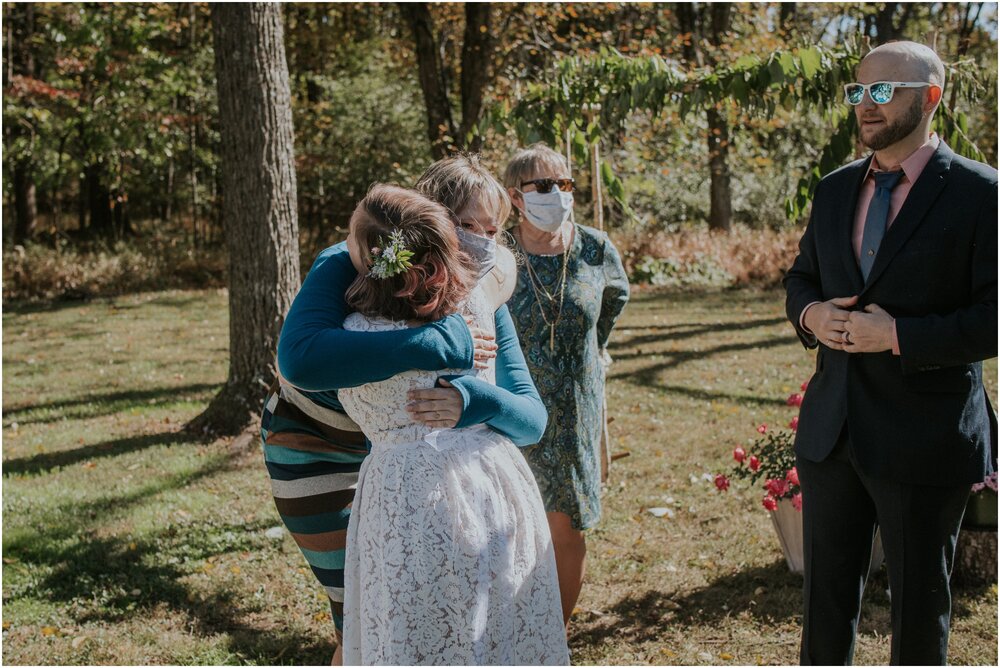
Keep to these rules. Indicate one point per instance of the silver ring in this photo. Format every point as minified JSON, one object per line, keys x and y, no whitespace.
{"x":847,"y":337}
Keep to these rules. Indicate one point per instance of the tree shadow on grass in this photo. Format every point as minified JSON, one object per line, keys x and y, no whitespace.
{"x":770,"y":593}
{"x":691,"y":330}
{"x":113,"y":578}
{"x":692,"y":295}
{"x":96,"y":405}
{"x":111,"y":448}
{"x":647,"y":376}
{"x":26,"y":307}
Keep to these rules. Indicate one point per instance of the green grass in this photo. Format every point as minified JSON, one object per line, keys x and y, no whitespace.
{"x":126,"y":543}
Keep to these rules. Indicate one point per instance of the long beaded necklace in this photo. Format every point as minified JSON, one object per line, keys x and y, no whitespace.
{"x":539,"y":289}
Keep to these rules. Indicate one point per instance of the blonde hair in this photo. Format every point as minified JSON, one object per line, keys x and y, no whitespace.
{"x":528,"y":162}
{"x":441,"y":275}
{"x":456,"y":181}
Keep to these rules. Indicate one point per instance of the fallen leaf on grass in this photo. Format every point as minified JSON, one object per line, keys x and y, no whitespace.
{"x":666,"y":652}
{"x":662,"y":512}
{"x":6,"y":625}
{"x":726,"y":656}
{"x":49,"y":631}
{"x":89,"y":465}
{"x":235,"y":570}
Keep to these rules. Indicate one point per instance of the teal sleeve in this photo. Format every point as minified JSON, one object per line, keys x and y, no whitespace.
{"x":316,"y":353}
{"x":512,"y":406}
{"x":616,"y":292}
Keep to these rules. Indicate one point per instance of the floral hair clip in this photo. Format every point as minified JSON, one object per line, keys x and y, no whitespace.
{"x":392,"y":258}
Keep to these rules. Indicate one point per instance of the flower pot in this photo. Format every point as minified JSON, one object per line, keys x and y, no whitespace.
{"x":981,"y":510}
{"x":788,"y":525}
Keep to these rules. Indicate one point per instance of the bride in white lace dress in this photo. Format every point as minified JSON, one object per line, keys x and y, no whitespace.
{"x":449,"y":558}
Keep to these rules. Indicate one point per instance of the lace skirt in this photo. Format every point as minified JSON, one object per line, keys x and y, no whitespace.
{"x":449,"y":558}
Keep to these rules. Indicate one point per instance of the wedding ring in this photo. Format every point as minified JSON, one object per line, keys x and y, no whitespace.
{"x":847,"y":337}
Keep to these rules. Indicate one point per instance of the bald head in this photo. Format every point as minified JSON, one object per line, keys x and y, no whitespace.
{"x":905,"y":61}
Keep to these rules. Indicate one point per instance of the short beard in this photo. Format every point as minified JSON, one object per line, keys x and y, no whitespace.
{"x":898,"y":130}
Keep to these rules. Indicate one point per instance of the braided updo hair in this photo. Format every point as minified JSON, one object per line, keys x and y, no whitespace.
{"x":441,"y":275}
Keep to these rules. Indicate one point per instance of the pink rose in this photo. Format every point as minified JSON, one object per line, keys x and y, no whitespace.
{"x":762,"y":429}
{"x":739,"y":454}
{"x":805,"y":385}
{"x":792,"y":476}
{"x":794,"y":424}
{"x":754,"y":463}
{"x":770,"y":503}
{"x":794,"y":400}
{"x":721,"y":482}
{"x":776,"y":487}
{"x":797,"y":501}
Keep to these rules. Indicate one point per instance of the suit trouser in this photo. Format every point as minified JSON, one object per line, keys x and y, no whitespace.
{"x":841,"y":509}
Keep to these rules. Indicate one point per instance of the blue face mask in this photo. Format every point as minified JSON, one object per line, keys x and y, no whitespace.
{"x":482,"y":250}
{"x":548,"y":211}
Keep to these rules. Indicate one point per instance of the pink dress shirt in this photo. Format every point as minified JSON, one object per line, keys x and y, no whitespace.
{"x":912,"y":166}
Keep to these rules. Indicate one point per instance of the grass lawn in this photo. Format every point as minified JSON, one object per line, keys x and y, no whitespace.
{"x":126,"y":543}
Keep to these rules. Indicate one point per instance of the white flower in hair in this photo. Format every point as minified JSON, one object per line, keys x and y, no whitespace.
{"x":392,"y":259}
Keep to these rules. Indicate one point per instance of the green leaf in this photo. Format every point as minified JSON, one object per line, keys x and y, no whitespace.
{"x":811,"y":62}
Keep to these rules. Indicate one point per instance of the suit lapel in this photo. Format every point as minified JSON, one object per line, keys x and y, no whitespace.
{"x":918,"y":202}
{"x":845,"y":231}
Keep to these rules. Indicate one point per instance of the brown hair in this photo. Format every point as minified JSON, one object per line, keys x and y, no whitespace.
{"x":440,"y":277}
{"x":458,"y":179}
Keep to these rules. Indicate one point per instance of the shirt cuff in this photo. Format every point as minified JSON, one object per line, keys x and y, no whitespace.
{"x":802,"y":318}
{"x":895,"y":339}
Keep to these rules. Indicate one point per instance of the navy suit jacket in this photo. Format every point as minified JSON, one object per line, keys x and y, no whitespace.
{"x":921,"y":417}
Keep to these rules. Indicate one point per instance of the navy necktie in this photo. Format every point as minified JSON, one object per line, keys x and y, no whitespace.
{"x":878,"y":215}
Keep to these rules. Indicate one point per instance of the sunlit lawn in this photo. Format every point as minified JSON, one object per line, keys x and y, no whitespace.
{"x":127,"y":543}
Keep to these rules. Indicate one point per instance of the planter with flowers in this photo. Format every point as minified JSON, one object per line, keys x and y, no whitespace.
{"x":769,"y":460}
{"x":976,"y":551}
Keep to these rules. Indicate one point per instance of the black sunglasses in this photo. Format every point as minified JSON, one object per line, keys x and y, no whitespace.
{"x":544,"y":186}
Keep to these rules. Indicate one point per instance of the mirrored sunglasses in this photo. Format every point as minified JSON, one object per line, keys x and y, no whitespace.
{"x":544,"y":186}
{"x":879,"y":91}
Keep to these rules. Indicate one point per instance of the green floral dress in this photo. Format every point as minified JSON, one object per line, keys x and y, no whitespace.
{"x":569,"y":374}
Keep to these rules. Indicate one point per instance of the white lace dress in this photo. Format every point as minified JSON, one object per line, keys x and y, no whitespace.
{"x":449,"y":557}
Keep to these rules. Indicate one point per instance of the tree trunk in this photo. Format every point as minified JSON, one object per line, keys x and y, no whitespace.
{"x":21,"y":60}
{"x":787,"y":15}
{"x":687,"y":23}
{"x":98,"y":202}
{"x":477,"y":52}
{"x":720,"y":214}
{"x":25,"y":204}
{"x":433,"y":81}
{"x":259,"y":216}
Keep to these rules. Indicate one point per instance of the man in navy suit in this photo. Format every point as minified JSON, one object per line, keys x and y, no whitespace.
{"x":896,"y":283}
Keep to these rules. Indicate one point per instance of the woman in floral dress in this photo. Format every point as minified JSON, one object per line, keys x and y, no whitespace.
{"x":571,"y":288}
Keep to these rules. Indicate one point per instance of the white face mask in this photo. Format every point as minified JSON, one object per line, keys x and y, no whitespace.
{"x":482,"y":250}
{"x":548,"y":212}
